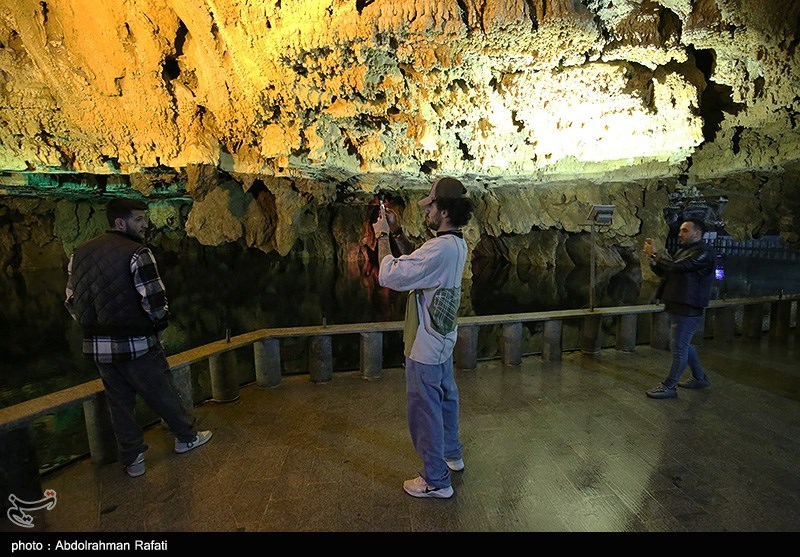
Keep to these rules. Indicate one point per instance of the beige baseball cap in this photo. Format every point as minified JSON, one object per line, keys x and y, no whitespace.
{"x":444,"y":188}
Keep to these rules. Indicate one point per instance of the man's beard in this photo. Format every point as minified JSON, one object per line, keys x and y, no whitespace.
{"x":136,"y":236}
{"x":432,"y":223}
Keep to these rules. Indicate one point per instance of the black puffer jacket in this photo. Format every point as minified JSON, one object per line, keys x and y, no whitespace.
{"x":686,"y":279}
{"x":105,"y":299}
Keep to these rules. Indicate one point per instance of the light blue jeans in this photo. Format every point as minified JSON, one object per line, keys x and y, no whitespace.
{"x":432,"y":397}
{"x":682,"y":329}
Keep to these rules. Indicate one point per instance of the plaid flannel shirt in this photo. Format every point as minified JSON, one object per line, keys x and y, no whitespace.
{"x":106,"y":349}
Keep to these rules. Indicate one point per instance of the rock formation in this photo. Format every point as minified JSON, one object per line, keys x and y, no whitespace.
{"x":267,"y":114}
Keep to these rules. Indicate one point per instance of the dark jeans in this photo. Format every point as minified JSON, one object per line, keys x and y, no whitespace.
{"x":149,"y":377}
{"x":682,"y":329}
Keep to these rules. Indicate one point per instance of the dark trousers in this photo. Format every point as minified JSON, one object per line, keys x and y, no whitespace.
{"x":149,"y":377}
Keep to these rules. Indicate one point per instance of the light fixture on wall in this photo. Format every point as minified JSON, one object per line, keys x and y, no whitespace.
{"x":600,"y":215}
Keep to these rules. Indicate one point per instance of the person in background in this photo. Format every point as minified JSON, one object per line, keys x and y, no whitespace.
{"x":685,"y":290}
{"x":432,"y":276}
{"x":115,"y":293}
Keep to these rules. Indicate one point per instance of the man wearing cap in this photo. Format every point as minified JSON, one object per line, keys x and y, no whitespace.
{"x":432,"y":276}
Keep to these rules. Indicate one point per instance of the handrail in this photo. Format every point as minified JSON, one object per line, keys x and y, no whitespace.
{"x":19,"y":414}
{"x":29,"y":410}
{"x":205,"y":351}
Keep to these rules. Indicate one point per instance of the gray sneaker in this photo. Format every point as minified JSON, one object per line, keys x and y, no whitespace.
{"x":455,"y":464}
{"x":662,"y":392}
{"x":201,"y":438}
{"x":418,"y":487}
{"x":136,"y":469}
{"x":695,"y":384}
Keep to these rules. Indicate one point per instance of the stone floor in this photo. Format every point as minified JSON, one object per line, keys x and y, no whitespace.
{"x":574,"y":446}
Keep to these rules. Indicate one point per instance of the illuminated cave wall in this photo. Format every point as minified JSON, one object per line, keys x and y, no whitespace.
{"x":265,"y":112}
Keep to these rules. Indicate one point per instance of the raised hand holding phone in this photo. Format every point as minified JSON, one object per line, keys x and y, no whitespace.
{"x":381,"y":226}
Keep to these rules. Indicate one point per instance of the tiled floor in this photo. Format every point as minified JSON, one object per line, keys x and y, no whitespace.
{"x":569,"y":447}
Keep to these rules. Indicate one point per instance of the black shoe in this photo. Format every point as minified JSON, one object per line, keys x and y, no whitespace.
{"x":662,"y":392}
{"x":695,"y":384}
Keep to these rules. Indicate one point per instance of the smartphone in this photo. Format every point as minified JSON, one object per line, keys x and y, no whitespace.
{"x":383,"y":209}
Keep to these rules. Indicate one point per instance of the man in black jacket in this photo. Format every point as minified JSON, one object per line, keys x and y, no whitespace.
{"x":685,"y":291}
{"x":115,"y":292}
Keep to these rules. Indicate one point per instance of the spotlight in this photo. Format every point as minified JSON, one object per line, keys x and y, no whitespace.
{"x":601,"y":214}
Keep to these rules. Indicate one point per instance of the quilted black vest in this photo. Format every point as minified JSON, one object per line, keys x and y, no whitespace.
{"x":105,"y":299}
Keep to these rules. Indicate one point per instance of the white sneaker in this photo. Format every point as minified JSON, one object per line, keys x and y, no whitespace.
{"x":418,"y":487}
{"x":136,"y":468}
{"x":456,"y":465}
{"x":201,"y":438}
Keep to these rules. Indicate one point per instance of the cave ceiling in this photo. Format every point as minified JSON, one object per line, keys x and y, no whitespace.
{"x":383,"y":92}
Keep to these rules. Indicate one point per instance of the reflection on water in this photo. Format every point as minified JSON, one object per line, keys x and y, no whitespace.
{"x":499,"y":288}
{"x":248,"y":290}
{"x":243,"y":291}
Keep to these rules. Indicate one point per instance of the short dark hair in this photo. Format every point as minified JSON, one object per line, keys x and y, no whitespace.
{"x":122,"y":207}
{"x":459,"y":210}
{"x":698,"y":224}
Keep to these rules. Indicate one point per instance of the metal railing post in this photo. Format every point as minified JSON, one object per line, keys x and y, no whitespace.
{"x":753,"y":320}
{"x":267,"y":356}
{"x":626,"y":333}
{"x":20,"y":464}
{"x":320,"y":359}
{"x":99,"y":431}
{"x":224,"y":382}
{"x":725,"y":323}
{"x":371,"y":360}
{"x":182,"y":379}
{"x":659,"y":331}
{"x":779,"y":319}
{"x":512,"y":344}
{"x":591,"y":337}
{"x":551,"y":343}
{"x":466,"y":351}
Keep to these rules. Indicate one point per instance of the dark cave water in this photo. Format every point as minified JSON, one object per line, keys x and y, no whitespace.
{"x":249,"y":290}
